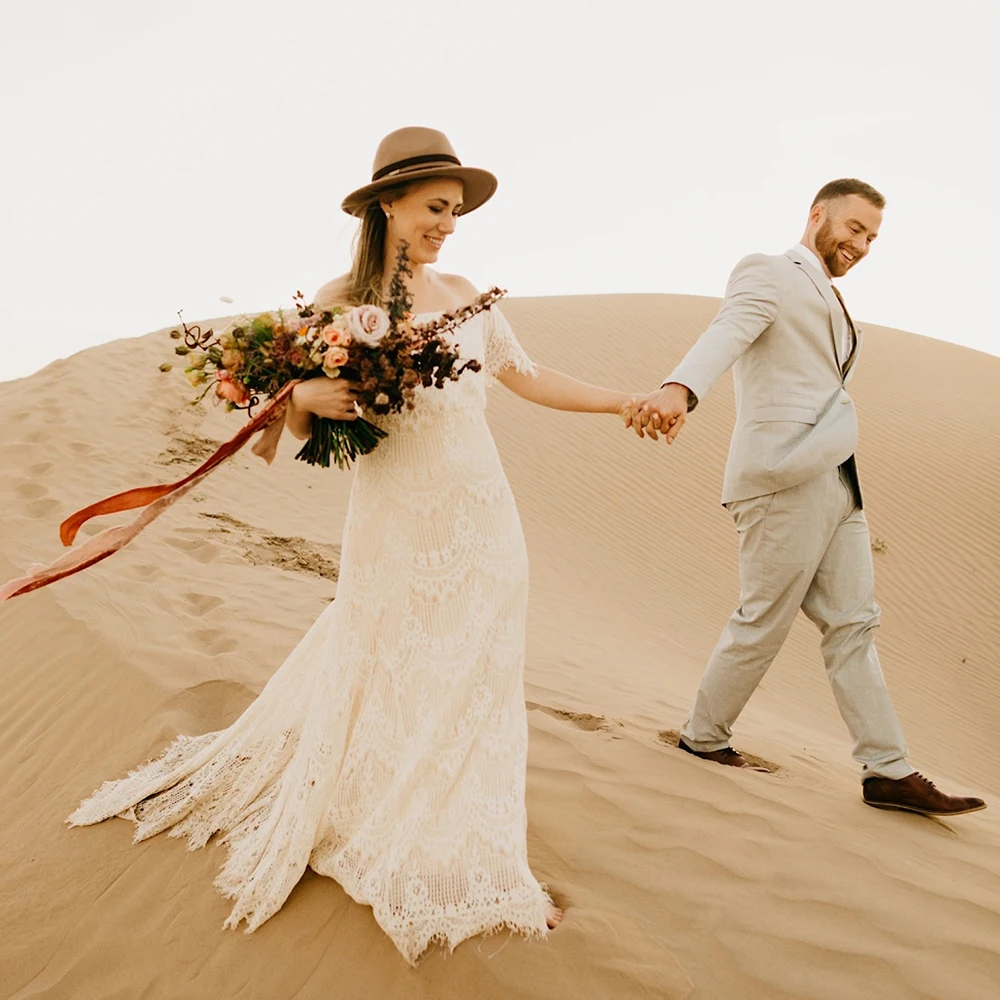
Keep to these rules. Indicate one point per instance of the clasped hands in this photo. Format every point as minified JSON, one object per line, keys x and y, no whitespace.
{"x":661,"y":412}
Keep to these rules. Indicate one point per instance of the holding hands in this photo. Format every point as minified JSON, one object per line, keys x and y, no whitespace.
{"x":661,"y":412}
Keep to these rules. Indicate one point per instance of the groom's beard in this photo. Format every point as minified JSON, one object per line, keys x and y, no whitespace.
{"x":827,"y":245}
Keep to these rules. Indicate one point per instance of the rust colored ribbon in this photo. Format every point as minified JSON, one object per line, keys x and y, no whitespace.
{"x":154,"y":499}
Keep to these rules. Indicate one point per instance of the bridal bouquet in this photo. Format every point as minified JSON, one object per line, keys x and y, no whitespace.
{"x":382,"y":351}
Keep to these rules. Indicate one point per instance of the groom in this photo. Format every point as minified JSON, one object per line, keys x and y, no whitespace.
{"x":791,"y":485}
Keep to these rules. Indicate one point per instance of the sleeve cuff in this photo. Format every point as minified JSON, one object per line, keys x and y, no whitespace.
{"x":692,"y":396}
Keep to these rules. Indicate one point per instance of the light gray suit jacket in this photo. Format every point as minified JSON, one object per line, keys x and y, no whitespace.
{"x":779,"y":328}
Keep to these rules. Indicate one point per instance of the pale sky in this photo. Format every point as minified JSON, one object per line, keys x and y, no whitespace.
{"x":159,"y":156}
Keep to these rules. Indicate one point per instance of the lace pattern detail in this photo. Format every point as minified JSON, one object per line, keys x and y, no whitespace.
{"x":502,"y":348}
{"x":389,"y":750}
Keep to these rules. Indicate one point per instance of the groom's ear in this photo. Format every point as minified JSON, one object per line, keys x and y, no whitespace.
{"x":817,"y":214}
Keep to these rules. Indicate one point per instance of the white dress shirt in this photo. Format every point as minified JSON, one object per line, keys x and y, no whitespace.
{"x":845,"y":333}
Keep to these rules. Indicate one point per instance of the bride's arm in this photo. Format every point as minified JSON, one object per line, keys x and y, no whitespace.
{"x":544,"y":386}
{"x":559,"y":391}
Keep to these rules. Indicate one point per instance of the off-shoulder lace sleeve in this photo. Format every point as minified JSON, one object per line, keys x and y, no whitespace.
{"x":502,"y":349}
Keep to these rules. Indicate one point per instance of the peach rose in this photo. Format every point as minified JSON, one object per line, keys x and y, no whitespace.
{"x":367,"y":324}
{"x":229,"y":389}
{"x":335,"y":357}
{"x":336,"y":336}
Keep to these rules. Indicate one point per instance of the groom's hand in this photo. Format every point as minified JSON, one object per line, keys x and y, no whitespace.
{"x":663,"y":411}
{"x":632,"y":412}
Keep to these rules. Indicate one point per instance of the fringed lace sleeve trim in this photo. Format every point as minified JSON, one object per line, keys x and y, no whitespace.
{"x":502,"y":348}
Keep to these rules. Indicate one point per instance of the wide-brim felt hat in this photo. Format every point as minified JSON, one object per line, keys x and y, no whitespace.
{"x":420,"y":153}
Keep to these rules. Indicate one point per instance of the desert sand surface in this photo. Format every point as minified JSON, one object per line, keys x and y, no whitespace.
{"x":680,"y":879}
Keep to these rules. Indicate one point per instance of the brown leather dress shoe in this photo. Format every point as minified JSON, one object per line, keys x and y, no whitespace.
{"x":727,"y":755}
{"x":915,"y":793}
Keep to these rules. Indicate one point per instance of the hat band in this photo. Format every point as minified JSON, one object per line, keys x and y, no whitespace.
{"x":414,"y":161}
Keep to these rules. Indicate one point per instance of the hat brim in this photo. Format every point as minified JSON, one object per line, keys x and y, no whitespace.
{"x":479,"y":186}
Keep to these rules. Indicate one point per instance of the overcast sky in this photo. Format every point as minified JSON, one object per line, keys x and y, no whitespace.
{"x":159,"y":156}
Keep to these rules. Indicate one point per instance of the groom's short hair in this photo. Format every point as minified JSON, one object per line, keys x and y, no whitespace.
{"x":846,"y":186}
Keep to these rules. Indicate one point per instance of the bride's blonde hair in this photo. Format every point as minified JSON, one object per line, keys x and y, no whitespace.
{"x":366,"y":279}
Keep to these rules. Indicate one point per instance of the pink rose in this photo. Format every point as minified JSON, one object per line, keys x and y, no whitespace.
{"x":335,"y":357}
{"x":367,"y":324}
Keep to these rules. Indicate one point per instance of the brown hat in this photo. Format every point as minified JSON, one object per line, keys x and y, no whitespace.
{"x":414,"y":153}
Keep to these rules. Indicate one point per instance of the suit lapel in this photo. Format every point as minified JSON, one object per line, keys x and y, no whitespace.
{"x":823,"y":287}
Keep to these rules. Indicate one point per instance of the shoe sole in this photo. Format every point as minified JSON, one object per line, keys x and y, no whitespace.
{"x":735,"y":767}
{"x":922,"y":812}
{"x":684,"y":748}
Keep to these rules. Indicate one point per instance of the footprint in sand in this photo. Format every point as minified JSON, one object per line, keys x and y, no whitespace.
{"x":48,"y":404}
{"x":201,"y":549}
{"x":209,"y":705}
{"x":260,"y":547}
{"x":201,"y":604}
{"x":187,"y":449}
{"x":670,"y":738}
{"x":216,"y":641}
{"x":30,"y":491}
{"x":42,"y":508}
{"x":147,"y":571}
{"x":582,"y":720}
{"x":41,"y":504}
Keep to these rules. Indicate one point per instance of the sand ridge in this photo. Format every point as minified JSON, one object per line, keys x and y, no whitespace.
{"x":680,"y":879}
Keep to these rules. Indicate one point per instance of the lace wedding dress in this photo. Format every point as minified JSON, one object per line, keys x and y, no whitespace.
{"x":389,"y":750}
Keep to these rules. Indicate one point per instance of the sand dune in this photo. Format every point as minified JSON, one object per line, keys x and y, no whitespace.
{"x":680,"y":879}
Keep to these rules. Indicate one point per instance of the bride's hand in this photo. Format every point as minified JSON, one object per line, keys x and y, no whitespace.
{"x":628,"y":408}
{"x":333,"y":398}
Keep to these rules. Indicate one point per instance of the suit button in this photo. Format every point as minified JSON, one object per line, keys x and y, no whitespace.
{"x":844,"y":401}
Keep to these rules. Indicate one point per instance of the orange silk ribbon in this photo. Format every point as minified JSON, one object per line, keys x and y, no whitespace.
{"x":154,"y":499}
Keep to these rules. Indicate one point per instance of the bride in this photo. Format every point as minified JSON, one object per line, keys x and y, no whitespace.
{"x":389,"y":750}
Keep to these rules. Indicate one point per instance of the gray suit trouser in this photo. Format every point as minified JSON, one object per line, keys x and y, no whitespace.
{"x":806,"y":547}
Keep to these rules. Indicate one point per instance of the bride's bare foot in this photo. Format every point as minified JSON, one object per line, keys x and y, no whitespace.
{"x":553,"y":916}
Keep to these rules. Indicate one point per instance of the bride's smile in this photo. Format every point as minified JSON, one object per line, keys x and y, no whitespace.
{"x":423,"y":218}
